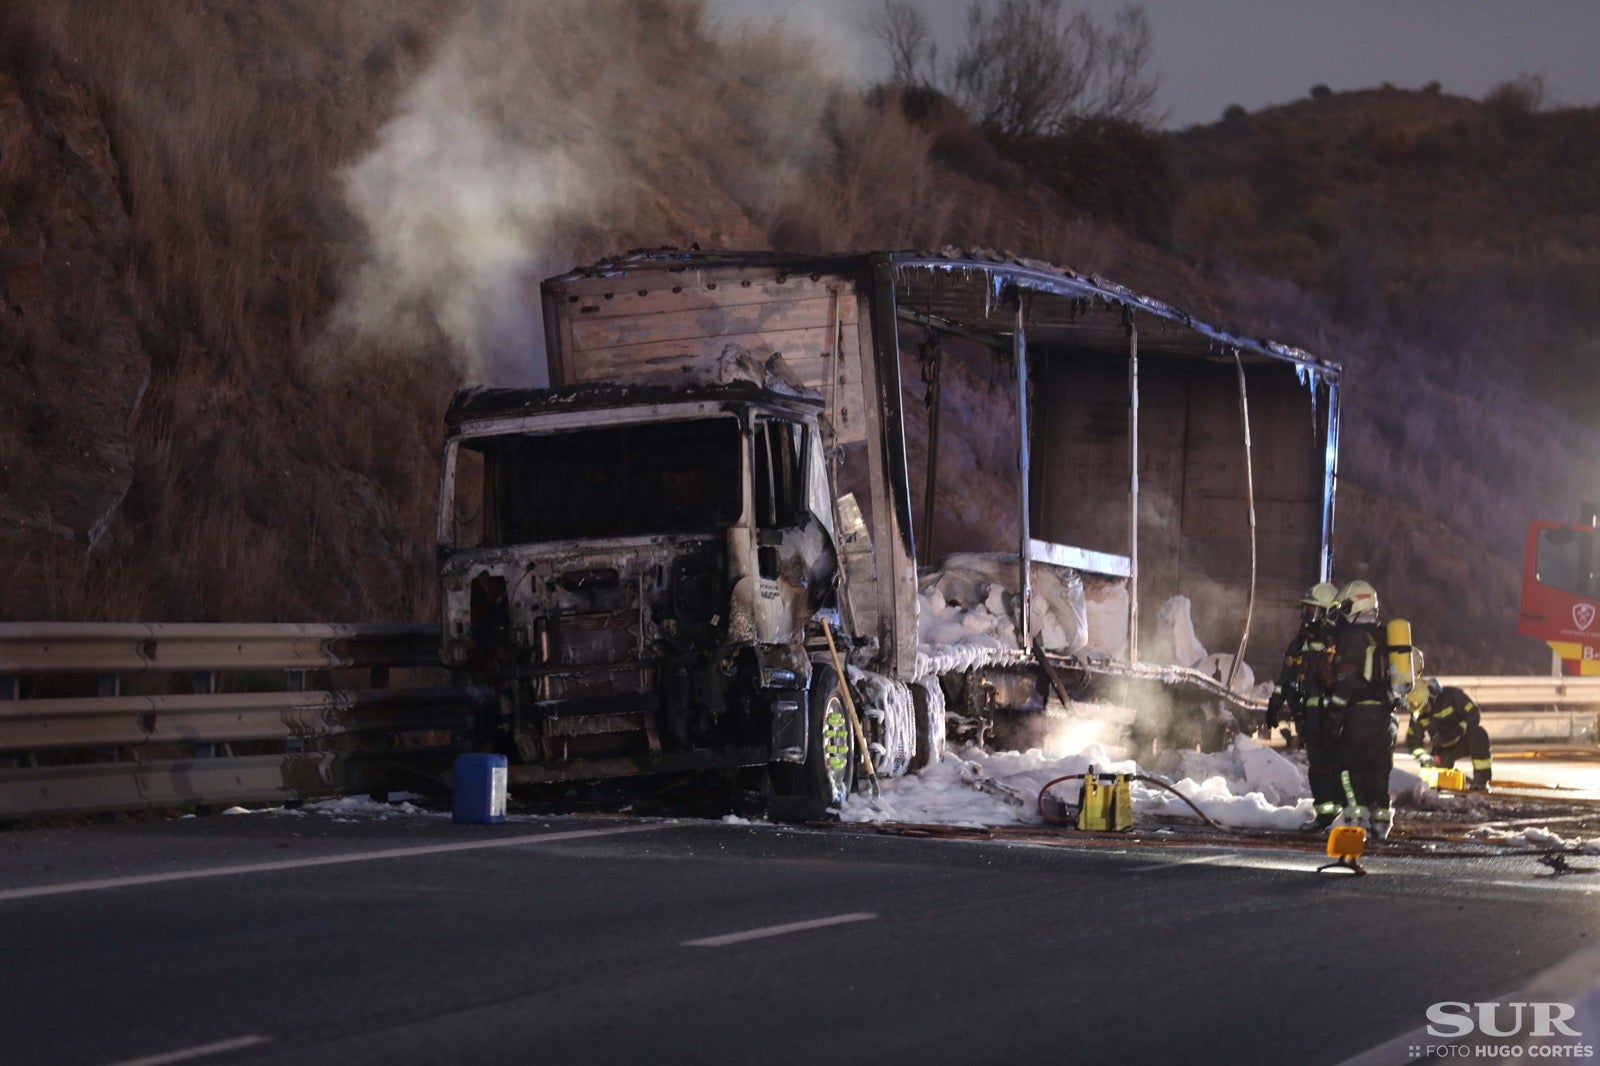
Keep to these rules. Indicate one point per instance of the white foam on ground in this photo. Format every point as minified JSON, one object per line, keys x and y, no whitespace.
{"x":1248,"y":786}
{"x":1536,"y":837}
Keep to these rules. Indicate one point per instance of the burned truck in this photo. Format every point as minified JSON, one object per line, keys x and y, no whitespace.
{"x":710,"y":544}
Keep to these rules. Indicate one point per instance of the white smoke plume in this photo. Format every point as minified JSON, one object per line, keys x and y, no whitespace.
{"x":550,"y":132}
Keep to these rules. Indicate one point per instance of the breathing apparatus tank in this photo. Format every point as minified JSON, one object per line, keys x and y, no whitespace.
{"x":1405,"y":661}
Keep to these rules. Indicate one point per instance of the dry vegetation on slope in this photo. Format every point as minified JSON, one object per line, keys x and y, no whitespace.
{"x":176,"y":241}
{"x":1450,"y":251}
{"x":246,"y":253}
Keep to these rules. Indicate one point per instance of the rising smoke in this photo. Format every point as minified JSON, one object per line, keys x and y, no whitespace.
{"x":543,"y":134}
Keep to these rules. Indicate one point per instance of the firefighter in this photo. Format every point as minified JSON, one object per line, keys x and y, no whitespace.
{"x":1457,"y":729}
{"x":1302,"y":689}
{"x":1362,"y":710}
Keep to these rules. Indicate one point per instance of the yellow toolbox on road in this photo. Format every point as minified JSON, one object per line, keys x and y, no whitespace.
{"x":1439,"y":777}
{"x":1105,"y":803}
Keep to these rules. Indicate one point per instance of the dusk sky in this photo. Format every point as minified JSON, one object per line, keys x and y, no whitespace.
{"x":1212,"y":53}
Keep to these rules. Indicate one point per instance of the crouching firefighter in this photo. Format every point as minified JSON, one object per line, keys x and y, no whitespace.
{"x":1457,"y":729}
{"x":1303,"y":689}
{"x":1364,"y":708}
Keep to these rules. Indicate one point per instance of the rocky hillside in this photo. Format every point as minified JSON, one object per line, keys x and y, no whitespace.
{"x":247,"y":252}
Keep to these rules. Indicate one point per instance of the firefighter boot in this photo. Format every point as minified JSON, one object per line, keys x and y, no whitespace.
{"x":1481,"y":775}
{"x":1326,"y":814}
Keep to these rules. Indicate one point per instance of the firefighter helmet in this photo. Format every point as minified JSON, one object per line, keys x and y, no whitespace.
{"x":1322,"y":594}
{"x":1434,"y":688}
{"x":1358,"y":598}
{"x":1417,"y":698}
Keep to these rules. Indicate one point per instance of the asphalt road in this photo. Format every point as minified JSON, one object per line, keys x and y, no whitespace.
{"x":277,"y":939}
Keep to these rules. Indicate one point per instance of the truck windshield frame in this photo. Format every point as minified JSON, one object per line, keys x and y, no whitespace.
{"x":670,"y":477}
{"x":778,"y":471}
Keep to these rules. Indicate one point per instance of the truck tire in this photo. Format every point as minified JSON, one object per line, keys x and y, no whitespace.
{"x":805,"y":792}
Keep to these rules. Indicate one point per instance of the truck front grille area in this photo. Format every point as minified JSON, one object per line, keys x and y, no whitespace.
{"x":628,"y":680}
{"x":596,"y":641}
{"x":595,"y":657}
{"x":593,"y":639}
{"x":626,"y":653}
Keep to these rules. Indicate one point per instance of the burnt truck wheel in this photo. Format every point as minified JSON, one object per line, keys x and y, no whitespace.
{"x":805,"y":791}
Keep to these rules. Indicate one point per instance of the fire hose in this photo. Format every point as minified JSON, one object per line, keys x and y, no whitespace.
{"x":1555,"y":858}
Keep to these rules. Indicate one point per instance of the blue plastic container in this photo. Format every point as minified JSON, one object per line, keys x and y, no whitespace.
{"x":480,"y":790}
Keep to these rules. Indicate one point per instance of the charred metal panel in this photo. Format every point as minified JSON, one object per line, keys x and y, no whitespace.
{"x":621,"y":327}
{"x":1325,"y":392}
{"x":1193,"y":530}
{"x":1086,"y":311}
{"x":481,"y":411}
{"x":615,"y":605}
{"x":794,"y":567}
{"x":891,"y":488}
{"x":977,"y":492}
{"x":1288,"y":497}
{"x":1024,"y":557}
{"x":1081,"y":449}
{"x":859,"y":576}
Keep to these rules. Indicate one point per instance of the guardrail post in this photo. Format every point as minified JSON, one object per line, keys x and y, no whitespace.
{"x":204,"y":682}
{"x":10,"y":689}
{"x":106,"y":686}
{"x":297,"y":683}
{"x":380,"y":679}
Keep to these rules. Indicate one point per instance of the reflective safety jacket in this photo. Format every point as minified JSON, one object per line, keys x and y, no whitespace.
{"x":1361,"y":666}
{"x":1307,"y":674}
{"x":1448,"y":716}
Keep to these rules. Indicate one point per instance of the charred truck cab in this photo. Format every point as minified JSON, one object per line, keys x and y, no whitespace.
{"x":640,"y":572}
{"x":745,"y":453}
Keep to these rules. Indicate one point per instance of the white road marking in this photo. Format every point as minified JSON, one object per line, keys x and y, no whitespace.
{"x":1300,"y":862}
{"x":1259,"y":861}
{"x":1588,"y":889}
{"x":324,"y":860}
{"x":203,"y":1050}
{"x":1198,"y":860}
{"x":776,"y":930}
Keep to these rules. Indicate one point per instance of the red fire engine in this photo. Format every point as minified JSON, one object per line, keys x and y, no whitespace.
{"x":1561,"y":591}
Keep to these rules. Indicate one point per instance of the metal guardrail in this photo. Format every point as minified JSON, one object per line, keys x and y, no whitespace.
{"x":1535,"y":710}
{"x":1492,"y":691}
{"x":219,"y":718}
{"x":1568,"y":728}
{"x":113,"y":752}
{"x":125,"y":648}
{"x":103,"y":788}
{"x":1515,"y":710}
